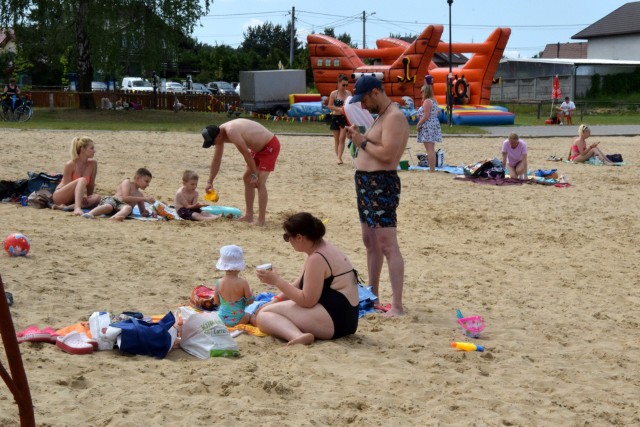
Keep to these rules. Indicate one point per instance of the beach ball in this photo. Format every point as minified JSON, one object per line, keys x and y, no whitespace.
{"x":17,"y":244}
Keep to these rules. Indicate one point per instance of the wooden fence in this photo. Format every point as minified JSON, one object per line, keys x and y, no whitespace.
{"x":161,"y":101}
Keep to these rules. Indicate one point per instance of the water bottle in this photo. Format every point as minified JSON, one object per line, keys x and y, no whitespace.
{"x":439,"y":158}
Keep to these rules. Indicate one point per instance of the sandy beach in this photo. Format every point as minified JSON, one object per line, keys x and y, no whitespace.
{"x":553,"y":271}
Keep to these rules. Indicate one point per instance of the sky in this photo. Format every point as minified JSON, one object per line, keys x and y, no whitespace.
{"x":533,"y":23}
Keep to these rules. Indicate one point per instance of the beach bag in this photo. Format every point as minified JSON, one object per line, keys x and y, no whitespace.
{"x":204,"y":335}
{"x":41,"y":199}
{"x":145,"y":338}
{"x":42,"y":181}
{"x":202,"y":297}
{"x":615,"y":158}
{"x":490,"y":168}
{"x":423,"y":159}
{"x":12,"y":189}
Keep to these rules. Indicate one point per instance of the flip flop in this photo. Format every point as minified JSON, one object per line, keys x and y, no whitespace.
{"x":52,"y":332}
{"x":383,"y":308}
{"x":33,"y":334}
{"x":75,"y":343}
{"x":9,"y":296}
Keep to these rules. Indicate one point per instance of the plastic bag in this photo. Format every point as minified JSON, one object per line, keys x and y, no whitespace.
{"x":204,"y":335}
{"x":98,"y":323}
{"x":41,"y":199}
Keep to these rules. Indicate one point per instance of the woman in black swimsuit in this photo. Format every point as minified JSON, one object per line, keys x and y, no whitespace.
{"x":320,"y":304}
{"x":338,"y":120}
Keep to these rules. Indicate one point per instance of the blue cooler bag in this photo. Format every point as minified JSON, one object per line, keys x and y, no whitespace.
{"x":149,"y":339}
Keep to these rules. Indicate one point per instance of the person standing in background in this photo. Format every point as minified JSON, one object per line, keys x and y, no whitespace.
{"x":338,"y":120}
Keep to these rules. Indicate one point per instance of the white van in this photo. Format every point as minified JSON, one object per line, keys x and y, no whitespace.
{"x":136,"y":84}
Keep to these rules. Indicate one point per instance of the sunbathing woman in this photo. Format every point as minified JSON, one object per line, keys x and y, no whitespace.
{"x":79,"y":178}
{"x":320,"y":304}
{"x":581,"y":153}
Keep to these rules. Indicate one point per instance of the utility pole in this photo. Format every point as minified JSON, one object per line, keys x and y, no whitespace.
{"x":293,"y":36}
{"x":364,"y":33}
{"x":449,"y":97}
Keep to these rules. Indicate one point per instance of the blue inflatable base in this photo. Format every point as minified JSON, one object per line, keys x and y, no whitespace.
{"x":223,"y":210}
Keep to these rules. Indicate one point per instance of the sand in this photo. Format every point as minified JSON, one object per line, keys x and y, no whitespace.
{"x":553,"y":271}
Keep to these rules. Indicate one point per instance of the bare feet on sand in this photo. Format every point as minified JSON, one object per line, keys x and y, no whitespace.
{"x":246,"y":218}
{"x":305,"y":339}
{"x":393,"y":312}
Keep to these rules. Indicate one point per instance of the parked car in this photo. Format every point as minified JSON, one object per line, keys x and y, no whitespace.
{"x":98,"y":86}
{"x":198,"y":89}
{"x":173,"y":87}
{"x":221,"y":88}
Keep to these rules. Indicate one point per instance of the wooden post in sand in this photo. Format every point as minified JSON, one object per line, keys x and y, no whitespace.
{"x":17,"y":381}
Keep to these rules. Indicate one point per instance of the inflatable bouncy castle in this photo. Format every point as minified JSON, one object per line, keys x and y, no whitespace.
{"x":402,"y":67}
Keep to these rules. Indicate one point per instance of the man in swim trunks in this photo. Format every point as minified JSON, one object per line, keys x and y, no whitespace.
{"x":378,"y":185}
{"x":260,"y":149}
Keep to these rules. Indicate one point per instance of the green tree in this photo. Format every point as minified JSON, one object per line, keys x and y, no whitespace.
{"x":111,"y":36}
{"x":344,"y":37}
{"x":267,"y":45}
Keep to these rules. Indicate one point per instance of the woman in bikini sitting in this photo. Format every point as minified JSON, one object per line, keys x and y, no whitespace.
{"x":78,"y":179}
{"x":581,"y":153}
{"x":322,"y":303}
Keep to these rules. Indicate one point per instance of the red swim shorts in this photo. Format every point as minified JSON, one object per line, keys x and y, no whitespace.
{"x":266,"y":159}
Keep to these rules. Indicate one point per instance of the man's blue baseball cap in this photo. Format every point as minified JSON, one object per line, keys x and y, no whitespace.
{"x":364,"y":85}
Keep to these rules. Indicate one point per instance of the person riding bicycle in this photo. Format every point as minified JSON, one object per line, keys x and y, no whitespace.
{"x":10,"y":90}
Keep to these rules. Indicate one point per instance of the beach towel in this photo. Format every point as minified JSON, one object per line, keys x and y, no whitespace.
{"x":595,"y":162}
{"x":135,"y":214}
{"x":456,"y":170}
{"x":367,"y":300}
{"x":512,"y":181}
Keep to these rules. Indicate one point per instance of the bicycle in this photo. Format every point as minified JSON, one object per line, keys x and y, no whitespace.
{"x":11,"y":113}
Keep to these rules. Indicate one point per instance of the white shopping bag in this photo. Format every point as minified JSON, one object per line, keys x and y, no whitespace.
{"x":98,"y":324}
{"x":204,"y":335}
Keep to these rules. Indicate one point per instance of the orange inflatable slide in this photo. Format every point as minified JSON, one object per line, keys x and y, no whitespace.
{"x":402,"y":66}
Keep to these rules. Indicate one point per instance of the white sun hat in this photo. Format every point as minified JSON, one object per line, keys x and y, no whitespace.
{"x":231,"y":258}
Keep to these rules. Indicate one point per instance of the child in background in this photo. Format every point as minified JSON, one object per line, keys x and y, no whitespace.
{"x":186,"y":201}
{"x":233,"y":293}
{"x":127,"y":196}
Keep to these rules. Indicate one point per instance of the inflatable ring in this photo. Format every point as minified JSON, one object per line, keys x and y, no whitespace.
{"x":460,"y":88}
{"x":223,"y":210}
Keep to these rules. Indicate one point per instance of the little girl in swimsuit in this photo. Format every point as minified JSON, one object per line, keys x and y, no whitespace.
{"x":233,"y":293}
